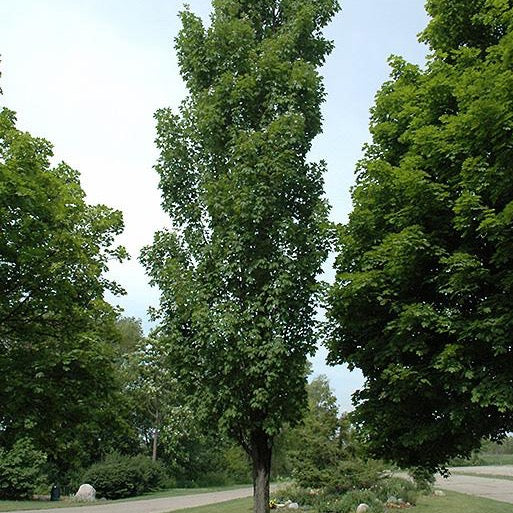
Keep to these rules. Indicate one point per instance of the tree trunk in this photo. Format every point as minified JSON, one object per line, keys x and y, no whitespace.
{"x":261,"y":451}
{"x":155,"y":441}
{"x":155,"y":436}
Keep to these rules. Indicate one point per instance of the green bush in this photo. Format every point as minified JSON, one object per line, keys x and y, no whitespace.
{"x":423,"y":478}
{"x":21,"y":470}
{"x":345,"y":475}
{"x":125,"y":476}
{"x":348,"y":502}
{"x":472,"y":461}
{"x":397,"y":487}
{"x":297,"y":494}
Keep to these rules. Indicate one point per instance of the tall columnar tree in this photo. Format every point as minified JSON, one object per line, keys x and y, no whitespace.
{"x":237,"y":269}
{"x":56,"y":379}
{"x":423,"y":300}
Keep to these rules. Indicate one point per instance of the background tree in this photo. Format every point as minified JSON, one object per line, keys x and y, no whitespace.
{"x":238,"y":267}
{"x":151,"y":389}
{"x":57,"y":386}
{"x":423,"y":296}
{"x":322,"y":452}
{"x":167,"y":427}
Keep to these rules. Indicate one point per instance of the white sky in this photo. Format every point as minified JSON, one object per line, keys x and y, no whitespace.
{"x":88,"y":75}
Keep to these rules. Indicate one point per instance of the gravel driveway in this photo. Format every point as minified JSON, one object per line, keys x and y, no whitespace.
{"x":161,"y":505}
{"x":497,"y":489}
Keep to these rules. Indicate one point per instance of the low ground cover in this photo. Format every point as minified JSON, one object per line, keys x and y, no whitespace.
{"x":496,"y":459}
{"x":452,"y":502}
{"x":489,"y":476}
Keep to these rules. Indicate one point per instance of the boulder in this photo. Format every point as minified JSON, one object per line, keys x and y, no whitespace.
{"x":293,"y":505}
{"x":85,"y":493}
{"x":439,"y":493}
{"x":362,"y":508}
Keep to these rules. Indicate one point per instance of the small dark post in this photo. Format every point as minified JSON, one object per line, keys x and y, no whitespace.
{"x":55,"y":494}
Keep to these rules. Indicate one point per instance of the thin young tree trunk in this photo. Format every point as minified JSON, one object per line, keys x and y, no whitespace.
{"x":155,"y":441}
{"x":261,"y":451}
{"x":155,"y":437}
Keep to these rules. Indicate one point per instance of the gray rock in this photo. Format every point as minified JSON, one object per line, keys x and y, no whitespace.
{"x":293,"y":505}
{"x":362,"y":508}
{"x":439,"y":493}
{"x":85,"y":493}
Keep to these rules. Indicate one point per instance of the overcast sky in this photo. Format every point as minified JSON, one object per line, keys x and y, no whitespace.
{"x":88,"y":75}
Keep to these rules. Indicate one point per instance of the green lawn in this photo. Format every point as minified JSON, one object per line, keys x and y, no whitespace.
{"x":496,"y":459}
{"x":489,"y":476}
{"x":235,"y":506}
{"x":451,"y":503}
{"x":174,"y":492}
{"x":458,"y":503}
{"x":19,"y":505}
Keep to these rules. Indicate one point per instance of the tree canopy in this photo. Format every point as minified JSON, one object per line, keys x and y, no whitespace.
{"x":237,"y":269}
{"x":56,"y":376}
{"x":423,"y":296}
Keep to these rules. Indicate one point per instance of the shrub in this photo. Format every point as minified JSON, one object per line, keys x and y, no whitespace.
{"x":297,"y":494}
{"x":125,"y":476}
{"x":21,"y":470}
{"x":424,"y":479}
{"x":348,"y":502}
{"x":472,"y":461}
{"x":397,"y":487}
{"x":345,"y":475}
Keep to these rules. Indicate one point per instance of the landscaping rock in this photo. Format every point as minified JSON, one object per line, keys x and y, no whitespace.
{"x":439,"y":493}
{"x":293,"y":505}
{"x":362,"y":508}
{"x":85,"y":493}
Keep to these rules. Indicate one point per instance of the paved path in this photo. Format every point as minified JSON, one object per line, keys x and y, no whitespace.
{"x":498,"y":470}
{"x":161,"y":505}
{"x":496,"y":489}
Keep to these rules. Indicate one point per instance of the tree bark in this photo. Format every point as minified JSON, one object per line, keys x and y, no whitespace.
{"x":154,"y":448}
{"x":261,"y":451}
{"x":155,"y":437}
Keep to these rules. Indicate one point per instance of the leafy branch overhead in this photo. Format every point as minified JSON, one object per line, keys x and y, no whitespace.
{"x":422,"y":300}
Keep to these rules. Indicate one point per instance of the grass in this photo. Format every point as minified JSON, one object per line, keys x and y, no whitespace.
{"x":173,"y":492}
{"x":489,"y":476}
{"x":452,"y":502}
{"x":235,"y":506}
{"x":177,"y":492}
{"x":42,"y":505}
{"x":496,"y":459}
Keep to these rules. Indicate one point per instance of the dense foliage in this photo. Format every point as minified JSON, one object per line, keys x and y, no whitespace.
{"x":238,"y":266}
{"x":423,"y":298}
{"x":168,"y":427}
{"x":125,"y":476}
{"x":57,"y":384}
{"x":21,"y":470}
{"x":381,"y":493}
{"x":321,"y":442}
